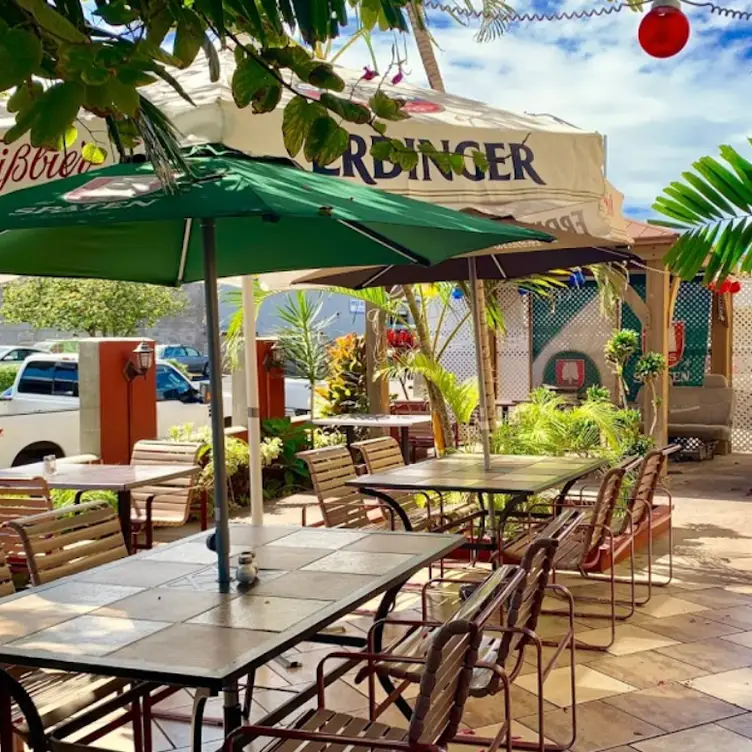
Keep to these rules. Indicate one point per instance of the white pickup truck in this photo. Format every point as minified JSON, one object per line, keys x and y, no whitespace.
{"x":39,"y":414}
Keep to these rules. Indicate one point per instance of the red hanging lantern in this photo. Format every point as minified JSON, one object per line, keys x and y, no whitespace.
{"x":665,"y":29}
{"x":736,"y":287}
{"x":725,"y":287}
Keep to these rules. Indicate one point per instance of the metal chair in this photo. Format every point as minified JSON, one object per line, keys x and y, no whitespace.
{"x":51,"y":705}
{"x":168,"y":504}
{"x":444,"y":687}
{"x":340,"y":504}
{"x":383,"y":454}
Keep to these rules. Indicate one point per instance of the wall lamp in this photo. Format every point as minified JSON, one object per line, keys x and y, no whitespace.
{"x":139,"y":362}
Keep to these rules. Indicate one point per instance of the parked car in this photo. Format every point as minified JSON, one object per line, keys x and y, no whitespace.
{"x":10,"y":354}
{"x":193,"y":360}
{"x":39,"y":414}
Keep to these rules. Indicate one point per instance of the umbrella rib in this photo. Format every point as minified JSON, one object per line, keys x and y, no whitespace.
{"x":184,"y":249}
{"x":498,"y":265}
{"x":368,"y":281}
{"x":379,"y":238}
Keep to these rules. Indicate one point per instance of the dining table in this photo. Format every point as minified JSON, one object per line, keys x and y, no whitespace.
{"x":161,"y":617}
{"x":517,"y":476}
{"x":351,"y":421}
{"x":120,"y":479}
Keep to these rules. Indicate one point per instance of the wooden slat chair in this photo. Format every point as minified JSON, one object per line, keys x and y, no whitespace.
{"x":69,"y":540}
{"x":583,"y":546}
{"x":444,"y":688}
{"x":420,"y":437}
{"x":340,"y":504}
{"x":20,"y":497}
{"x":383,"y":454}
{"x":168,"y":504}
{"x":63,"y":702}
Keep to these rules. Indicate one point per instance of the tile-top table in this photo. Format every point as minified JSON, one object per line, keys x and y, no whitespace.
{"x":159,"y":616}
{"x":517,"y":475}
{"x":122,"y":479}
{"x":351,"y":421}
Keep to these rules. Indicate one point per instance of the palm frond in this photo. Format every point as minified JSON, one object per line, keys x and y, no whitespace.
{"x":712,"y":207}
{"x":234,"y":339}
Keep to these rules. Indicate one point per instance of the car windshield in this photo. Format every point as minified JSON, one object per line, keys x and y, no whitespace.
{"x":169,"y":380}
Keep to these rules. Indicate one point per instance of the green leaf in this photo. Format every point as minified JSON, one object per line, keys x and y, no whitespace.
{"x":188,"y":39}
{"x":249,"y":77}
{"x":457,"y":163}
{"x":323,"y":77}
{"x":480,"y":160}
{"x":55,"y":112}
{"x":299,"y":115}
{"x":350,"y":111}
{"x":20,"y":56}
{"x":381,"y":150}
{"x":325,"y":142}
{"x":369,"y":13}
{"x":267,"y":98}
{"x":116,"y":13}
{"x":24,"y":96}
{"x":403,"y":155}
{"x":124,"y":97}
{"x":379,"y":126}
{"x":24,"y":121}
{"x":387,"y":108}
{"x":293,"y":57}
{"x":70,"y":136}
{"x":50,"y":20}
{"x":94,"y":154}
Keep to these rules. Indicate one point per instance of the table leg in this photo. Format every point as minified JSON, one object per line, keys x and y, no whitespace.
{"x":405,"y":443}
{"x":6,"y":723}
{"x":393,"y":504}
{"x":124,"y":513}
{"x":233,"y":715}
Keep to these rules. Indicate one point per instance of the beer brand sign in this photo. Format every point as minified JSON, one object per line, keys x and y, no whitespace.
{"x":570,"y":372}
{"x":23,"y":165}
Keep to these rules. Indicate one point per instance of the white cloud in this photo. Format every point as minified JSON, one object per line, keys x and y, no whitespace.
{"x":659,"y":115}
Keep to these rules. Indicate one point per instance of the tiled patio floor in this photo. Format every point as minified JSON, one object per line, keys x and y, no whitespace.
{"x":677,"y":679}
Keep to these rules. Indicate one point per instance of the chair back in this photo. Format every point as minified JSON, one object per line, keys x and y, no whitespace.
{"x":69,"y":540}
{"x":20,"y":497}
{"x":380,"y":454}
{"x":444,"y":684}
{"x":340,"y":504}
{"x":641,"y":498}
{"x":593,"y":531}
{"x":173,"y":499}
{"x":6,"y":578}
{"x":35,"y":740}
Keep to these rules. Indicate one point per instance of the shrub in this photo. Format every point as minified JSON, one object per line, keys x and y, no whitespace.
{"x":7,"y":377}
{"x":347,"y":388}
{"x":182,"y":367}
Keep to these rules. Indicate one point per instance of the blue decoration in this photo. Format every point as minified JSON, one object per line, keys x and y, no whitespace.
{"x":457,"y":293}
{"x":576,"y":278}
{"x":523,"y":292}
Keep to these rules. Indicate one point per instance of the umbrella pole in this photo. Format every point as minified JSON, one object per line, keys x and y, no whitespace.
{"x":482,"y":404}
{"x":252,"y":398}
{"x":221,"y":510}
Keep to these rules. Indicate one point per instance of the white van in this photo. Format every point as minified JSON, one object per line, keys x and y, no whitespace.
{"x":39,"y":414}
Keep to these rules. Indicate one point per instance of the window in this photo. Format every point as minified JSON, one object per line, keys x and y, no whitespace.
{"x":169,"y":380}
{"x":16,"y":355}
{"x":37,"y":378}
{"x":66,"y":380}
{"x":192,"y":352}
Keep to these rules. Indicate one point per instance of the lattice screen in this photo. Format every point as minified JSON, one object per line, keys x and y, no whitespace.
{"x":513,"y":347}
{"x":741,"y":434}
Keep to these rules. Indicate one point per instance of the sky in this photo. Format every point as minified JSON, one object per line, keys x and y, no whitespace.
{"x":658,"y":115}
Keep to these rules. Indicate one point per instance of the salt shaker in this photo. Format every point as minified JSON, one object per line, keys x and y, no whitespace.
{"x":247,"y":569}
{"x":50,"y":464}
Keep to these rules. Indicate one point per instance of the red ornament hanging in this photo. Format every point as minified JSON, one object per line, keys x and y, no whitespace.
{"x":665,"y":29}
{"x":736,"y":287}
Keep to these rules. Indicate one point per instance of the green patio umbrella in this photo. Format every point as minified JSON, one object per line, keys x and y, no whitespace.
{"x":231,"y":215}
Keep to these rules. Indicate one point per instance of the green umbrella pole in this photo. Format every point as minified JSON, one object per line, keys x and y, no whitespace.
{"x":221,"y":510}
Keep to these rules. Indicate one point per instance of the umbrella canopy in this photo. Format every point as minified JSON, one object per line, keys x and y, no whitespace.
{"x":119,"y":223}
{"x":232,"y":215}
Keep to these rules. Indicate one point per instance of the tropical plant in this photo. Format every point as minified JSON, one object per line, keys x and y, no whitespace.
{"x":234,"y":339}
{"x":597,"y":393}
{"x":648,"y":369}
{"x":712,"y":208}
{"x":88,"y":306}
{"x":346,"y":389}
{"x":548,"y":425}
{"x":619,"y":348}
{"x":62,"y":59}
{"x":303,"y":340}
{"x":295,"y":437}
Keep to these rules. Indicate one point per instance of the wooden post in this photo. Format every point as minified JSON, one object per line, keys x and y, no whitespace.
{"x":721,"y":345}
{"x":656,"y":340}
{"x":378,"y":387}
